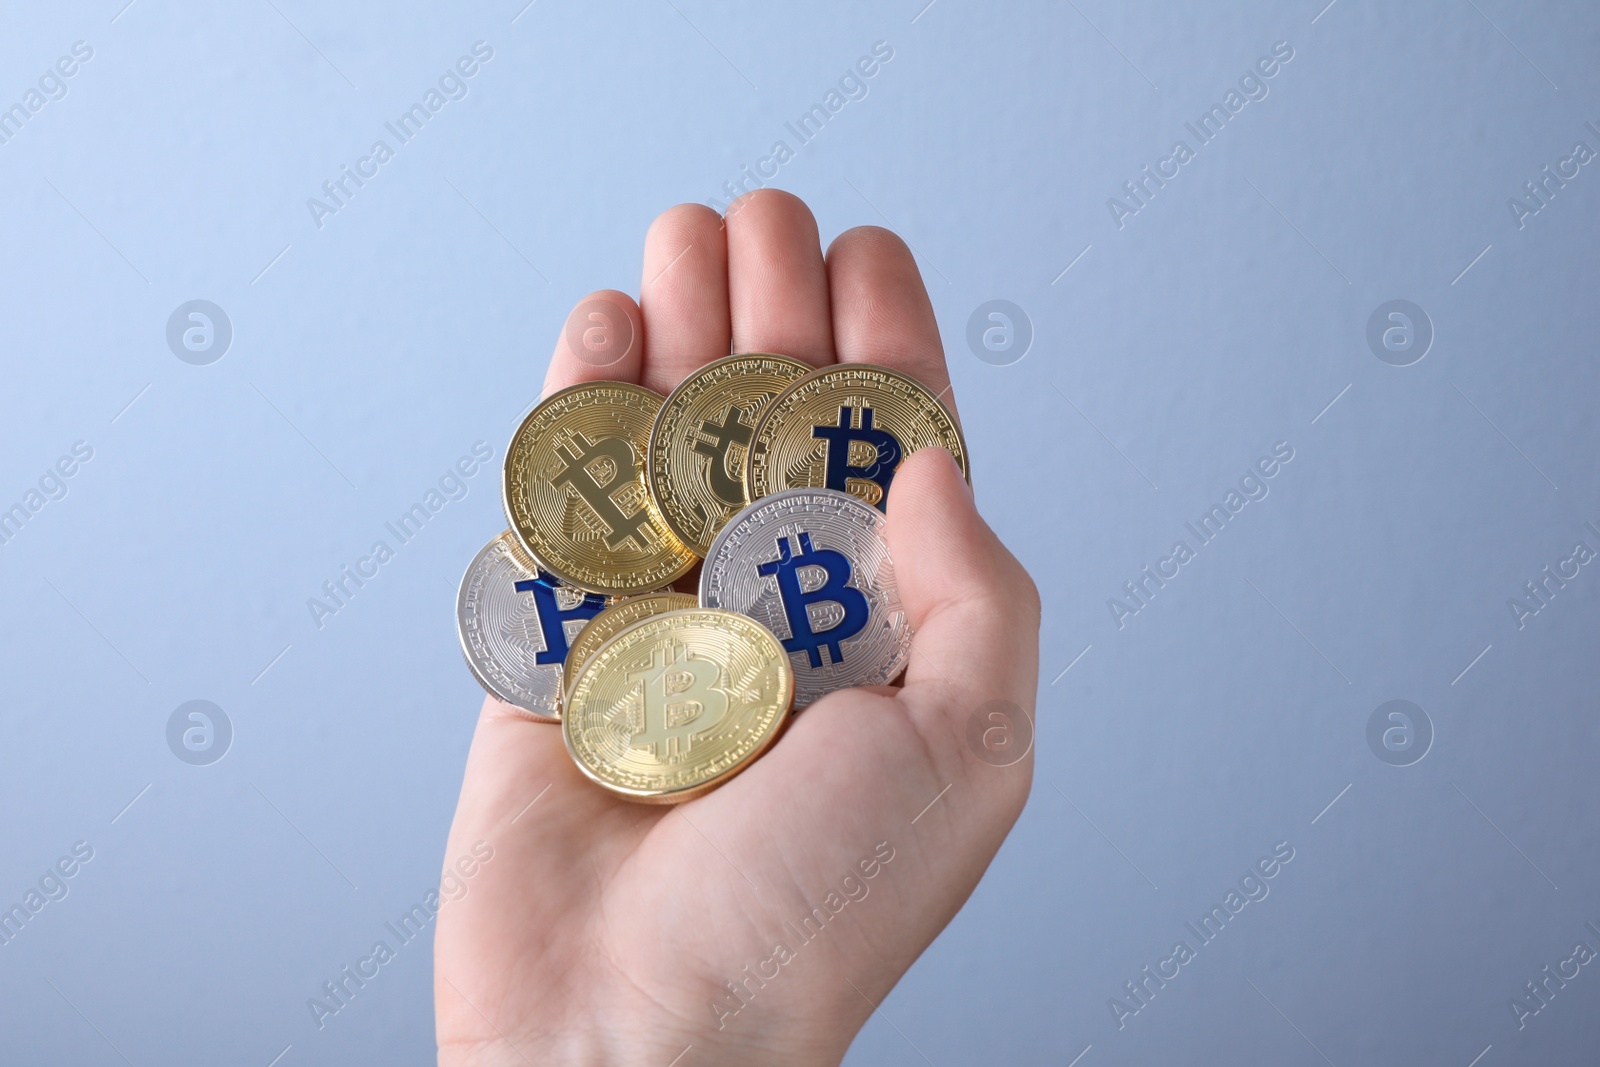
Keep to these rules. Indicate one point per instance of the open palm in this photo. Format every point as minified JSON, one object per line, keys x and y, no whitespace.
{"x":760,"y":923}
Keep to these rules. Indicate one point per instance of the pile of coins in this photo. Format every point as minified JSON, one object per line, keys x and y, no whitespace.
{"x":777,"y":476}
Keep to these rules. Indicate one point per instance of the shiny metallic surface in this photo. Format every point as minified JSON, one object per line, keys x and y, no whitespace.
{"x":848,"y":427}
{"x":618,"y":617}
{"x":676,"y":704}
{"x":812,"y":566}
{"x":575,"y":495}
{"x":698,"y":442}
{"x":502,"y":630}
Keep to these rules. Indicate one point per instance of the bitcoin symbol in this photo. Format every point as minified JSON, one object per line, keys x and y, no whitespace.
{"x":553,"y":618}
{"x":841,"y":472}
{"x":679,"y":701}
{"x":581,"y":456}
{"x":797,"y":601}
{"x":732,"y":431}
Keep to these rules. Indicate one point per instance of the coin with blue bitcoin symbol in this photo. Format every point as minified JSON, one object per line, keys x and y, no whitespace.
{"x":516,"y":625}
{"x":812,"y":566}
{"x":698,"y":443}
{"x":575,"y":493}
{"x":847,"y":428}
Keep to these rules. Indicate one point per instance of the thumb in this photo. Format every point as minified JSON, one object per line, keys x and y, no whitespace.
{"x":974,"y":610}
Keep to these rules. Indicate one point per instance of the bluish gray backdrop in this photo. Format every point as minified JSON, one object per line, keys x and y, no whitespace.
{"x":1175,"y":341}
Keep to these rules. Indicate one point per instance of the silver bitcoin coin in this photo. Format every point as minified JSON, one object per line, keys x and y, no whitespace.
{"x":812,"y":566}
{"x":516,"y":623}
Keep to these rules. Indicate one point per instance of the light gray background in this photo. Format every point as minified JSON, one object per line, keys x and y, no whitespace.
{"x":1224,"y":317}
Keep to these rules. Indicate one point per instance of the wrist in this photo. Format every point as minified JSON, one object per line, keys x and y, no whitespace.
{"x":613,"y":1047}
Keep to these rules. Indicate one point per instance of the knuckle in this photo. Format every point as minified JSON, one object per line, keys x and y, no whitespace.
{"x":1021,"y":593}
{"x":1028,"y":593}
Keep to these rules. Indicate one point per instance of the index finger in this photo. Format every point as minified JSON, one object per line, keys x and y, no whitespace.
{"x":881,"y":311}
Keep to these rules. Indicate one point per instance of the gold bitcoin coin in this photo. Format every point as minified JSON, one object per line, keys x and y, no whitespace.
{"x":674,"y":705}
{"x":618,"y":617}
{"x":575,"y":496}
{"x":847,"y":427}
{"x":697,"y":446}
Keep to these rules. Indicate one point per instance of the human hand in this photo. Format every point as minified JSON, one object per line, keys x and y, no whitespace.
{"x":607,"y":932}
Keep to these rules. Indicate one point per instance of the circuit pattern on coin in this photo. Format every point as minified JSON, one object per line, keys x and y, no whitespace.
{"x":812,"y":566}
{"x":675,"y":704}
{"x":847,"y":427}
{"x":616,"y":618}
{"x":575,"y":495}
{"x":699,"y":440}
{"x":515,"y":626}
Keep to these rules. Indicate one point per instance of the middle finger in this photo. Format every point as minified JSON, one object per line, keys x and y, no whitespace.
{"x":777,"y":284}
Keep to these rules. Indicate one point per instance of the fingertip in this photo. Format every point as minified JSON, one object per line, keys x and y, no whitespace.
{"x":771,"y":198}
{"x":933,"y":469}
{"x":931,"y":518}
{"x":882,"y":313}
{"x":601,"y":340}
{"x":686,"y":231}
{"x":496,"y":710}
{"x":777,"y":280}
{"x":871,"y":241}
{"x":684,"y":294}
{"x":685,"y":222}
